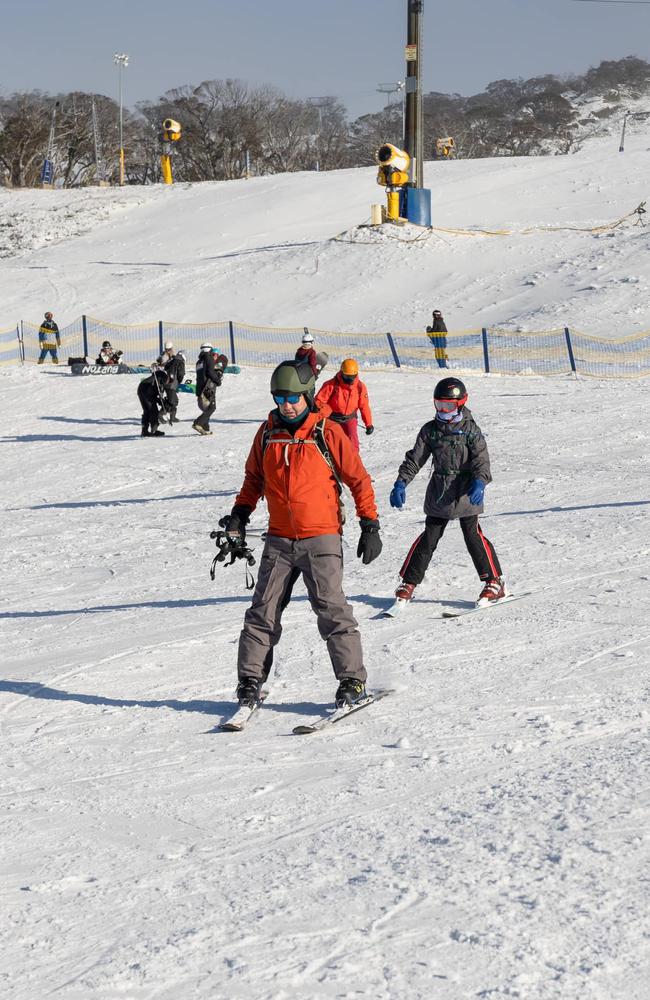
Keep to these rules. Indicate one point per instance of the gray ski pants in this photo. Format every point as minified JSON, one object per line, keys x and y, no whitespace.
{"x":320,"y":561}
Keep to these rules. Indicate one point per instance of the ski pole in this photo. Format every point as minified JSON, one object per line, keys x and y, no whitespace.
{"x":161,"y":397}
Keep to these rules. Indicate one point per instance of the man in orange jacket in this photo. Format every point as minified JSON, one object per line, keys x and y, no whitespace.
{"x":345,"y":394}
{"x":296,"y":461}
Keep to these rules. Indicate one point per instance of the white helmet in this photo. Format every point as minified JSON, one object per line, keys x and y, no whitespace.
{"x":206,"y":347}
{"x":168,"y":345}
{"x":307,"y":338}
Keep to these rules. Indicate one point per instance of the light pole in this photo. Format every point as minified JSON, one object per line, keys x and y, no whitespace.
{"x":121,"y":60}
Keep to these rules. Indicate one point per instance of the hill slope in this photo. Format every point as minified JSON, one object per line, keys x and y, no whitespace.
{"x":261,"y":251}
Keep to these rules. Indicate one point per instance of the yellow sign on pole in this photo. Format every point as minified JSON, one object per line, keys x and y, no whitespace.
{"x":411,"y":53}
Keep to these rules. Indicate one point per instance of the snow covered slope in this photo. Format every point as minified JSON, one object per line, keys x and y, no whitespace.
{"x":261,"y":251}
{"x":482,"y":833}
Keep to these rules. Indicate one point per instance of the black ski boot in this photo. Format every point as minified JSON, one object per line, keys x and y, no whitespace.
{"x":248,"y":692}
{"x":173,"y":419}
{"x":349,"y":692}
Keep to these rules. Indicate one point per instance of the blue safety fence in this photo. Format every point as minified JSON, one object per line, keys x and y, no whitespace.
{"x":485,"y":349}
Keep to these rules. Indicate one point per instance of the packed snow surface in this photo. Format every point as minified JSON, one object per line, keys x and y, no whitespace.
{"x":483,"y":832}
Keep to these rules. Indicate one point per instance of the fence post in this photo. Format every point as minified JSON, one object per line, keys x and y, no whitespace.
{"x":21,"y":345}
{"x":232,"y":342}
{"x":84,"y":329}
{"x":569,"y":347}
{"x":486,"y":356}
{"x":391,"y":344}
{"x":160,"y":337}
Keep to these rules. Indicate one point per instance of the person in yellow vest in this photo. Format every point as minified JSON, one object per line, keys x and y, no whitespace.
{"x":49,"y":339}
{"x":438,"y":336}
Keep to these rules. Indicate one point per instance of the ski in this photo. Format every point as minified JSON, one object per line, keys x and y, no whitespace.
{"x":486,"y":607}
{"x":394,"y":609}
{"x":340,"y":713}
{"x":242,"y":714}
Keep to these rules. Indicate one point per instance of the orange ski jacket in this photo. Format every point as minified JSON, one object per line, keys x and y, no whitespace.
{"x":344,"y":399}
{"x":301,"y":490}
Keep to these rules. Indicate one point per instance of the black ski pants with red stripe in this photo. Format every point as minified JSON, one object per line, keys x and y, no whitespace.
{"x":479,"y":547}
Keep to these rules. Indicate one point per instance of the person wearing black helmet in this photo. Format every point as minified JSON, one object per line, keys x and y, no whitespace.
{"x":49,"y":339}
{"x":107,"y":356}
{"x":460,"y":473}
{"x":210,"y":366}
{"x":151,"y":393}
{"x":297,"y":462}
{"x":438,"y":337}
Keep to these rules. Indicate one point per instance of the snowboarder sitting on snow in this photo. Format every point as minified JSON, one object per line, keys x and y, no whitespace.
{"x":151,"y":393}
{"x":295,"y":462}
{"x":173,"y":362}
{"x":345,"y":394}
{"x":107,"y":356}
{"x":437,"y":335}
{"x":210,"y":366}
{"x":49,"y":339}
{"x":307,"y":354}
{"x":461,"y":471}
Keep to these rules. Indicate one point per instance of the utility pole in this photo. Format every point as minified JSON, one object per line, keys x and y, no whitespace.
{"x":121,"y":60}
{"x":413,"y":138}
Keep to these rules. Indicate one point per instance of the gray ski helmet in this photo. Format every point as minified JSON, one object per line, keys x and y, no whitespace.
{"x":294,"y":377}
{"x":206,"y":347}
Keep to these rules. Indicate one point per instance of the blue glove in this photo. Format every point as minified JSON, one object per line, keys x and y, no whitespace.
{"x":476,"y":491}
{"x":398,"y":494}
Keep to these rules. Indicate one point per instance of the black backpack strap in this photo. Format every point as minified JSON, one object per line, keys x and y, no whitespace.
{"x":319,"y":437}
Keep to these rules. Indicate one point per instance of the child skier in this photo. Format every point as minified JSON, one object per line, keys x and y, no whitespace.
{"x":461,"y":471}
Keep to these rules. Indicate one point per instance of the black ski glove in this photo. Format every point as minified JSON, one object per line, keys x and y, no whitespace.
{"x":370,"y":429}
{"x":234,"y":524}
{"x":369,"y":545}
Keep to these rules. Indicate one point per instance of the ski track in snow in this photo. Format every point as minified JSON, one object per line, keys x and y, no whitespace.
{"x":483,"y":832}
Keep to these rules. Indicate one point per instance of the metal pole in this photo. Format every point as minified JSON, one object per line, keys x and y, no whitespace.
{"x":121,"y":60}
{"x":413,"y":141}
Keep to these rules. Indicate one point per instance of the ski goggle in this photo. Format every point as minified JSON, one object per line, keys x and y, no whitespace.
{"x":348,"y":379}
{"x":447,"y":405}
{"x":285,"y":397}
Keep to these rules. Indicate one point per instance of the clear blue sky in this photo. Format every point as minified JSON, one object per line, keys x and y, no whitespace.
{"x":306,"y":48}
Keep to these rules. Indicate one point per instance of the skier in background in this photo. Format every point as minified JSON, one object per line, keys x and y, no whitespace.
{"x":460,"y":473}
{"x":344,"y":395}
{"x":151,"y":393}
{"x":107,"y":356}
{"x":173,"y":362}
{"x":301,"y":489}
{"x":437,"y":335}
{"x":210,"y":366}
{"x":49,"y":339}
{"x":307,"y":353}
